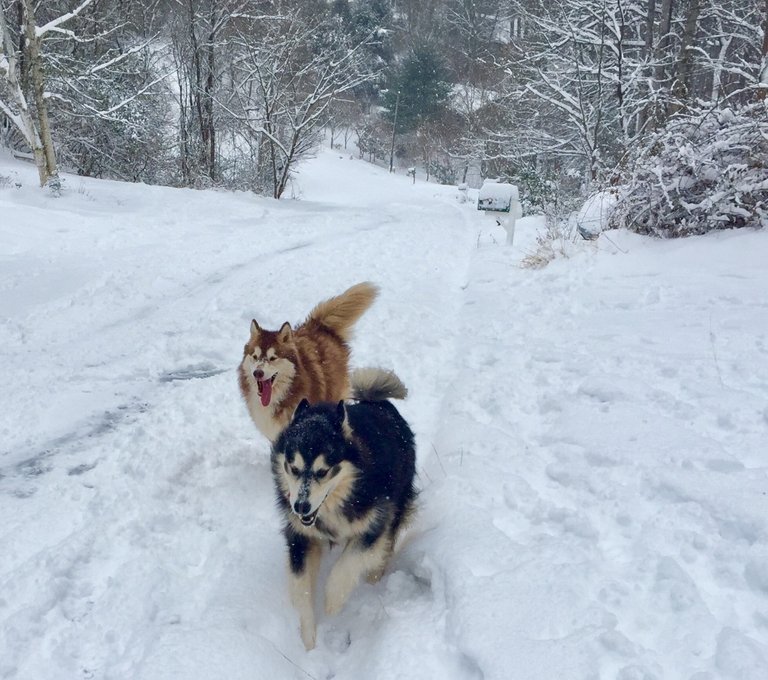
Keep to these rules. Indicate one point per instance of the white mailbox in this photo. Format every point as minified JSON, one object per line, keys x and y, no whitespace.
{"x":501,"y":200}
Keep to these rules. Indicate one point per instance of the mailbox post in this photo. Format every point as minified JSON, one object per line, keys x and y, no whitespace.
{"x":502,"y":201}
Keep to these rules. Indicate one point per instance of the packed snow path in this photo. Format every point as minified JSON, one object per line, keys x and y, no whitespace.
{"x":591,"y":439}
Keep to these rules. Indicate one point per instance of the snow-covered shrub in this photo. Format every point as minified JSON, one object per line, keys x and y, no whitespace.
{"x":568,"y":226}
{"x":698,"y":174}
{"x":594,"y":214}
{"x":557,"y":239}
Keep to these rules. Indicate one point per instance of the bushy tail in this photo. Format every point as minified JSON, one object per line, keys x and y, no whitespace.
{"x":341,"y":312}
{"x":376,"y":384}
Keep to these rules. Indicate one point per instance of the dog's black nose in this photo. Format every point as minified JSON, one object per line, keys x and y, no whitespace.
{"x":258,"y":374}
{"x":302,"y":507}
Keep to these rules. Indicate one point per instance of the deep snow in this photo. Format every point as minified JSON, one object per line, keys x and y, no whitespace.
{"x":591,"y":438}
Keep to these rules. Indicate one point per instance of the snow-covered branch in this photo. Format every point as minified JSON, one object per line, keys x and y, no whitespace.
{"x":54,"y":24}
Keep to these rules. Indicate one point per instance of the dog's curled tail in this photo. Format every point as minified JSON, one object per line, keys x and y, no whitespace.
{"x":376,"y":384}
{"x":341,"y":312}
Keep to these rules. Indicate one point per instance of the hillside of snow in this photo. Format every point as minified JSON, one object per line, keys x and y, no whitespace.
{"x":591,"y":438}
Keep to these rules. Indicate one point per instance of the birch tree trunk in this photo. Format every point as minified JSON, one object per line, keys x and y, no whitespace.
{"x":50,"y":175}
{"x":717,"y":69}
{"x":19,"y":114}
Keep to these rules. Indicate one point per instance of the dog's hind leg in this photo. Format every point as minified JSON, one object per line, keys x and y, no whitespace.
{"x":304,"y":562}
{"x":360,"y":558}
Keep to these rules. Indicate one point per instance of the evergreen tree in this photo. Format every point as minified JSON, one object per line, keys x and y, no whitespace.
{"x":423,"y":90}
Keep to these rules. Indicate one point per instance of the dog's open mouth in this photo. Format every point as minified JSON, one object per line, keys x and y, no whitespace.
{"x":309,"y":520}
{"x":265,"y":389}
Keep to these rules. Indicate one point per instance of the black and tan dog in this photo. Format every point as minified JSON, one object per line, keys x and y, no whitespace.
{"x":344,"y":475}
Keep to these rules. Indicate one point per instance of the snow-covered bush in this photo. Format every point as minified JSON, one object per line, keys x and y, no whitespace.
{"x":594,"y":214}
{"x":698,"y":174}
{"x":556,"y":240}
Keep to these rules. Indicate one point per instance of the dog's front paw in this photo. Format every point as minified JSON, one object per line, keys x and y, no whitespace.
{"x":374,"y":576}
{"x":334,"y":603}
{"x":308,"y":635}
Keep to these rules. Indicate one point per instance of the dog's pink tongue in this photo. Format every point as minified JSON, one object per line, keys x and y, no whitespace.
{"x":266,"y":392}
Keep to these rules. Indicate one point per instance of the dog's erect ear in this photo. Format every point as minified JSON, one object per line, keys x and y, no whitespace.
{"x":343,"y":420}
{"x":303,"y":406}
{"x":255,"y":329}
{"x":286,"y":333}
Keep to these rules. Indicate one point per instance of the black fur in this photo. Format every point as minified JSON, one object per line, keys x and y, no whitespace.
{"x":297,"y":549}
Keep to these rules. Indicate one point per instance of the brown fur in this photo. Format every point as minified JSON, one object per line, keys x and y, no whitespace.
{"x":310,"y":361}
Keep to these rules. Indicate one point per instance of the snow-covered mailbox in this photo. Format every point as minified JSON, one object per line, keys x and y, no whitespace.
{"x":503,"y":202}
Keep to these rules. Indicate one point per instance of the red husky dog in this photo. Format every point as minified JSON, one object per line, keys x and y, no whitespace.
{"x":280,"y":368}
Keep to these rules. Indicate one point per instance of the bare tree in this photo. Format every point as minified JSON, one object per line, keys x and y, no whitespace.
{"x":575,"y":77}
{"x":109,"y":101}
{"x":200,"y":35}
{"x":287,"y":79}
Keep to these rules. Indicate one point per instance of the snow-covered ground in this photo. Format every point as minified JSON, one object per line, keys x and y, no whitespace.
{"x":592,"y":439}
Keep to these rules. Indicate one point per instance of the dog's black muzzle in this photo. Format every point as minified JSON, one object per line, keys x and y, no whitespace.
{"x":309,"y":520}
{"x":302,"y":509}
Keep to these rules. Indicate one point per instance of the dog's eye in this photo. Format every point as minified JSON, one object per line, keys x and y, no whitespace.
{"x":272,"y":358}
{"x":295,"y":471}
{"x":321,"y":473}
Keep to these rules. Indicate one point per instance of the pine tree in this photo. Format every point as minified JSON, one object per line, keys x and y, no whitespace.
{"x":423,"y":88}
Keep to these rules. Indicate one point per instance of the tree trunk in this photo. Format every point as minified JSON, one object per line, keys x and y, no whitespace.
{"x":660,"y":54}
{"x":50,"y":174}
{"x":186,"y":171}
{"x":650,"y":19}
{"x":288,"y":161}
{"x":620,"y":72}
{"x":196,"y":90}
{"x":681,"y":88}
{"x":763,"y":77}
{"x":209,"y":85}
{"x":717,"y":68}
